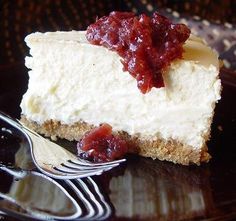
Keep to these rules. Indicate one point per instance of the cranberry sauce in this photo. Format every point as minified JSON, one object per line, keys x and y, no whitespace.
{"x":146,"y":44}
{"x":100,"y":145}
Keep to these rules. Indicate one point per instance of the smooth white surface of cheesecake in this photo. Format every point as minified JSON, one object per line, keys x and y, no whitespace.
{"x":72,"y":80}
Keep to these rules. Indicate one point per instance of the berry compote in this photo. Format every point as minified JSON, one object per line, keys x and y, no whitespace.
{"x":147,"y":45}
{"x":100,"y":145}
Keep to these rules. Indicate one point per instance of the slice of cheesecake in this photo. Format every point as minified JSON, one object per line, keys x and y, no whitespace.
{"x":75,"y":86}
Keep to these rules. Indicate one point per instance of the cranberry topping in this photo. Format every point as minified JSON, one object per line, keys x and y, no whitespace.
{"x":100,"y":145}
{"x":147,"y":45}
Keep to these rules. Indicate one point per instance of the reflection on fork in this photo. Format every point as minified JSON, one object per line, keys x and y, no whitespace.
{"x":74,"y":199}
{"x":55,"y":161}
{"x":95,"y":205}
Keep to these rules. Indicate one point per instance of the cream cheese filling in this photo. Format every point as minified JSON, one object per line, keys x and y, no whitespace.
{"x":71,"y":81}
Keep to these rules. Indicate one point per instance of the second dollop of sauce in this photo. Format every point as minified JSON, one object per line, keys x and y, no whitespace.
{"x":100,"y":145}
{"x":146,"y":44}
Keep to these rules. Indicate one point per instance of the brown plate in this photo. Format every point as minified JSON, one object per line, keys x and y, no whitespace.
{"x":153,"y":190}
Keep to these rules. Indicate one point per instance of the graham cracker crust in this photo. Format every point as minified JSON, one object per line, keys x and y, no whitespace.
{"x":170,"y":150}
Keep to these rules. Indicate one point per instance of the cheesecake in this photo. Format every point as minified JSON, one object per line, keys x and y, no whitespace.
{"x":75,"y":86}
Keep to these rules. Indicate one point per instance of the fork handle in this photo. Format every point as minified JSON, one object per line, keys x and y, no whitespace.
{"x":14,"y":171}
{"x":13,"y":122}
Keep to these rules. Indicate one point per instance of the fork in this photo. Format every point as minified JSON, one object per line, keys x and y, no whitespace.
{"x":54,"y":160}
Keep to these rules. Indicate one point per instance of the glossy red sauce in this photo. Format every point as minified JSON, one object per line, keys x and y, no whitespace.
{"x":147,"y":45}
{"x":100,"y":145}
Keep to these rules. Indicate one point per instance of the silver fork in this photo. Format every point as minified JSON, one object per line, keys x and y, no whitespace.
{"x":54,"y":160}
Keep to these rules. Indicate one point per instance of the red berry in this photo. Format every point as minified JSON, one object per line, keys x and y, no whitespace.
{"x":101,"y":145}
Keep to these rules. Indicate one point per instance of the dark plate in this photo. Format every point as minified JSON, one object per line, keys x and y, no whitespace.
{"x":153,"y":190}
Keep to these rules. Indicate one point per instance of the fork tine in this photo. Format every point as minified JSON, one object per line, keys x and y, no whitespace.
{"x":58,"y":174}
{"x":88,"y":163}
{"x":78,"y":173}
{"x":103,"y":163}
{"x":72,"y":165}
{"x":62,"y":174}
{"x":65,"y":172}
{"x":66,"y":169}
